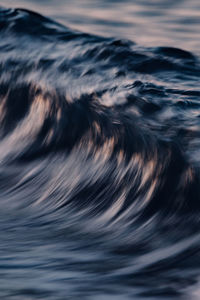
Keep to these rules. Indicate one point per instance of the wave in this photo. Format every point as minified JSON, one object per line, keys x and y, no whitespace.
{"x":100,"y":136}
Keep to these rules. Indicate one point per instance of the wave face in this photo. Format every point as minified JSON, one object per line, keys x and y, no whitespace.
{"x":99,"y":160}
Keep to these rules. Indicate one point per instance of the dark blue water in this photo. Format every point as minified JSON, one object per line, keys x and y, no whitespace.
{"x":99,"y":151}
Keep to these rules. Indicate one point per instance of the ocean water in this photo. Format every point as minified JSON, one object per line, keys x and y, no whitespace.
{"x":150,"y":23}
{"x":99,"y":150}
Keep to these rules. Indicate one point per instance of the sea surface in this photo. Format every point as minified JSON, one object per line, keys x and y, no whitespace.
{"x":100,"y":150}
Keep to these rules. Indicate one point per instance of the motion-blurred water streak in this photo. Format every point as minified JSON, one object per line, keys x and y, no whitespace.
{"x":99,"y":150}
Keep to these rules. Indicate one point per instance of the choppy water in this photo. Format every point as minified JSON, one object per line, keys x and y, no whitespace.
{"x":99,"y":153}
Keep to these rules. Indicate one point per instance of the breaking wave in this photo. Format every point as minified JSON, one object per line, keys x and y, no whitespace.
{"x":99,"y":160}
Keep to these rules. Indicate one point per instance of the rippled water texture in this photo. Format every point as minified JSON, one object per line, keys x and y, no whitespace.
{"x":99,"y":151}
{"x":147,"y":22}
